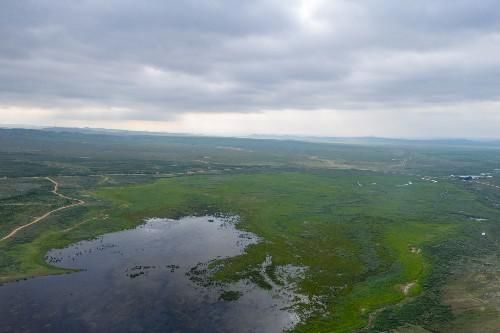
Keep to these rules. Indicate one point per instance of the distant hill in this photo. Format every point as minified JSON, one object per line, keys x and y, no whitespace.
{"x":459,"y":142}
{"x":384,"y":141}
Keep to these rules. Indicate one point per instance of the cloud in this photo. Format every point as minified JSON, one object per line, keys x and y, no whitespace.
{"x":158,"y":60}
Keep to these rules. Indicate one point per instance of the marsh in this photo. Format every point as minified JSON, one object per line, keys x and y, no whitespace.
{"x":138,"y":281}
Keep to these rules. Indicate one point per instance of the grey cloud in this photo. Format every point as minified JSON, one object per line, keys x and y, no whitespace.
{"x":161,"y":58}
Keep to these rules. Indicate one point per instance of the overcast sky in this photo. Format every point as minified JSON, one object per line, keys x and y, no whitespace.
{"x":393,"y":68}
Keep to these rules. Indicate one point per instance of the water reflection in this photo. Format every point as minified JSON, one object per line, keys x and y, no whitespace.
{"x":136,"y":281}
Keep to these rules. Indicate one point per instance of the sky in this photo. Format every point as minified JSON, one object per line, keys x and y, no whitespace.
{"x":389,"y":68}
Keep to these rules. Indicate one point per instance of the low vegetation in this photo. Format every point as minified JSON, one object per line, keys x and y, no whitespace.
{"x":384,"y":244}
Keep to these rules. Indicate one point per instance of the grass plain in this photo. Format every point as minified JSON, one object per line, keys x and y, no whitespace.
{"x":384,"y":234}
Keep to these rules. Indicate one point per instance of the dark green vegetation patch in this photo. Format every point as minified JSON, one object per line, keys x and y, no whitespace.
{"x":230,"y":295}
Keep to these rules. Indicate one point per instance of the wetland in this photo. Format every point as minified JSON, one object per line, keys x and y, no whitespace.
{"x":177,"y":234}
{"x":138,"y":280}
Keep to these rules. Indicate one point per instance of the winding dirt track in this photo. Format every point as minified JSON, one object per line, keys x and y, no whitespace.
{"x":80,"y":202}
{"x":43,"y":217}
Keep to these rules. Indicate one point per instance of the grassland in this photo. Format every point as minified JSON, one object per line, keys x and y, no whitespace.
{"x":364,"y":246}
{"x":380,"y":243}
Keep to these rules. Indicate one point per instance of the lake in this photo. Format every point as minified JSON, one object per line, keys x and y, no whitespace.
{"x":140,"y":280}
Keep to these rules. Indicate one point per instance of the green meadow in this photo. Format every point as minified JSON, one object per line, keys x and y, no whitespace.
{"x":362,"y":237}
{"x":383,"y":236}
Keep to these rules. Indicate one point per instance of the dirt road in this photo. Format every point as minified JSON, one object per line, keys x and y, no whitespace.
{"x":43,"y":217}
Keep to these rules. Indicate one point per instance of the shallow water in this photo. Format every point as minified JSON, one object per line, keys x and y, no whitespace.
{"x":135,"y":281}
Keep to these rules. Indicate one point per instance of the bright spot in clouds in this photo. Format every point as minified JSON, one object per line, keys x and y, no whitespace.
{"x":310,"y":67}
